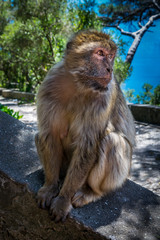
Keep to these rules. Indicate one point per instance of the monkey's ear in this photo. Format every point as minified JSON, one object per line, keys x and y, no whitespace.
{"x":69,"y":46}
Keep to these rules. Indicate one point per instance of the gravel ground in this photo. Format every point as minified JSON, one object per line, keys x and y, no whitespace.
{"x":146,"y":156}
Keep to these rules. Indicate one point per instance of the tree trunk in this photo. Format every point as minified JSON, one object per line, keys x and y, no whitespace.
{"x":133,"y":48}
{"x":137,"y":37}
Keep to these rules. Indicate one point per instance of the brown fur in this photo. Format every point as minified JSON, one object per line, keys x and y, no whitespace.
{"x":86,"y":131}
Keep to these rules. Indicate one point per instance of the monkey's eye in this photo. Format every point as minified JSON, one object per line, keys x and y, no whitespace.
{"x":110,"y":56}
{"x":100,"y":53}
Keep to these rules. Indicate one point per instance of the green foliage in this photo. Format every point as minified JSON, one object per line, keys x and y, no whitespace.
{"x":25,"y":101}
{"x":119,"y":11}
{"x":155,"y":98}
{"x":129,"y":95}
{"x":122,"y":70}
{"x":10,"y":112}
{"x":5,"y":14}
{"x":29,"y":44}
{"x":138,"y":99}
{"x":146,"y":97}
{"x":86,"y":17}
{"x":147,"y":94}
{"x":34,"y":35}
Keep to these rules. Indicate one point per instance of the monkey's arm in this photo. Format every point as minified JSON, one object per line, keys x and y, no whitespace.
{"x":50,"y":151}
{"x":81,"y":164}
{"x":51,"y":161}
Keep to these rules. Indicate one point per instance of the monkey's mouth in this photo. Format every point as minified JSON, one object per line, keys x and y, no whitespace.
{"x":102,"y":81}
{"x":97,"y":86}
{"x":99,"y":83}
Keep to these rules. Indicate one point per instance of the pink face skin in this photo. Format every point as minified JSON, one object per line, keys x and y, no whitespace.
{"x":102,"y":53}
{"x":95,"y":64}
{"x":102,"y":60}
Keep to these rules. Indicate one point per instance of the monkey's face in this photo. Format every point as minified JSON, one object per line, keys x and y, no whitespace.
{"x":90,"y":57}
{"x":99,"y":67}
{"x":93,"y":66}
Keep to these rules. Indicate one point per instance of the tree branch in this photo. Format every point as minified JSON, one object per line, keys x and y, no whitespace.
{"x":147,"y":25}
{"x":140,"y":25}
{"x":156,"y":4}
{"x":50,"y":44}
{"x":125,"y":32}
{"x":151,"y":19}
{"x":122,"y":30}
{"x":137,"y":38}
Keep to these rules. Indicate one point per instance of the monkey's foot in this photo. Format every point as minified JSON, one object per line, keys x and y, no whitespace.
{"x":60,"y":208}
{"x":83,"y":197}
{"x":46,"y":194}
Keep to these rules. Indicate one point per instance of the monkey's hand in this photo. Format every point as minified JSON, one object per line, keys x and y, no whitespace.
{"x":46,"y":194}
{"x":60,"y":208}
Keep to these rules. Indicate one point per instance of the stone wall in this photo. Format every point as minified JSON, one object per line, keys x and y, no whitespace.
{"x":145,"y":113}
{"x":11,"y":93}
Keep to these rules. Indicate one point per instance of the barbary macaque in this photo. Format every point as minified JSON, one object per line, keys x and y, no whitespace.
{"x":86,"y":131}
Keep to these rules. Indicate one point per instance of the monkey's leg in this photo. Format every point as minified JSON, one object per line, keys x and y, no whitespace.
{"x":79,"y":168}
{"x":109,"y":173}
{"x":84,"y":196}
{"x":51,"y":157}
{"x":118,"y":161}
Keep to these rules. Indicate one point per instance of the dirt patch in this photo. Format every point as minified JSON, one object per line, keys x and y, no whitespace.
{"x":21,"y":219}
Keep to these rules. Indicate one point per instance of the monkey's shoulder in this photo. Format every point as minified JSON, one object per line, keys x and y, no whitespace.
{"x":58,"y":85}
